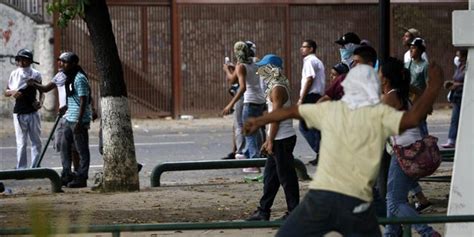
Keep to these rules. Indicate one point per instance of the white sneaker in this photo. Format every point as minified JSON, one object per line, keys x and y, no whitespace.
{"x":253,"y":170}
{"x":240,"y":157}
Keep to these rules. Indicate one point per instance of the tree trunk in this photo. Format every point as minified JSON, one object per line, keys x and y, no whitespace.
{"x":120,"y":165}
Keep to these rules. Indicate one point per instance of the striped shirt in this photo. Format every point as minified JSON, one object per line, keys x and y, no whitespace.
{"x":81,"y":88}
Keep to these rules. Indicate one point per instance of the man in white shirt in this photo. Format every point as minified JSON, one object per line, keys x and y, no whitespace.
{"x":26,"y":119}
{"x":313,"y":80}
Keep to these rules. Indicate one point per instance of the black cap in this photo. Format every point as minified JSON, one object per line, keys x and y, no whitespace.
{"x":419,"y":42}
{"x":349,"y":37}
{"x":69,"y":57}
{"x":25,"y":53}
{"x":341,"y":68}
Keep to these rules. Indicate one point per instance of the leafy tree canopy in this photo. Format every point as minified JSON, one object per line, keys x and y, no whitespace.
{"x":67,"y":9}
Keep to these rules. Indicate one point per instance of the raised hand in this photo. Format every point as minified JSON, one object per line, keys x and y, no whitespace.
{"x":250,"y":126}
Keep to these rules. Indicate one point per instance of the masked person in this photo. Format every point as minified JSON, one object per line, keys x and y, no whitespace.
{"x":455,"y":88}
{"x":59,"y":81}
{"x":78,"y":118}
{"x":26,"y":119}
{"x":348,"y":42}
{"x":280,"y":142}
{"x":340,"y":199}
{"x":254,"y":100}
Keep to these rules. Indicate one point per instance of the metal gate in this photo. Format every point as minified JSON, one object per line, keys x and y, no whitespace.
{"x":206,"y":32}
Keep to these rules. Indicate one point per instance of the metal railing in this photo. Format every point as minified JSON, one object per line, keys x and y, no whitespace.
{"x":217,"y":164}
{"x":117,"y":229}
{"x":34,"y":173}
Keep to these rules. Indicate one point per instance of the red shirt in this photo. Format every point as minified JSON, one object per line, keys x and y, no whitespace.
{"x":335,"y":90}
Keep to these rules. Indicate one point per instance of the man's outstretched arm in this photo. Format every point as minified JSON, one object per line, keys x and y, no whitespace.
{"x":42,"y":88}
{"x":277,"y":115}
{"x":423,"y":105}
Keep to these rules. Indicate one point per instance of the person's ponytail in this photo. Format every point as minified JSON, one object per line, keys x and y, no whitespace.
{"x":399,"y":78}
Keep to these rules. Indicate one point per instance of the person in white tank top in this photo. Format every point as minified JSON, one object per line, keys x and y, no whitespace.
{"x":254,"y":100}
{"x":280,"y":142}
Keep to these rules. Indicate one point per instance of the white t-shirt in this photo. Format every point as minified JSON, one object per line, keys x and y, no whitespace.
{"x":407,"y":56}
{"x":313,"y":67}
{"x":20,"y":76}
{"x":60,"y":79}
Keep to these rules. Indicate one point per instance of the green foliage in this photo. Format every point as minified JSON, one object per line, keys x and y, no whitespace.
{"x":67,"y":9}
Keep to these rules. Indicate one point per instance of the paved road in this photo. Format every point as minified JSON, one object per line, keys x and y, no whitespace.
{"x":175,"y":141}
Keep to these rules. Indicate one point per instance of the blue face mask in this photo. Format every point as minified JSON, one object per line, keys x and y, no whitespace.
{"x":346,"y":54}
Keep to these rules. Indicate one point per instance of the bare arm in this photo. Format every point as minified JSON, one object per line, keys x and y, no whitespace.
{"x":241,"y":74}
{"x":40,"y":87}
{"x":416,"y":91}
{"x":12,"y":93}
{"x":38,"y":104}
{"x":230,"y":73}
{"x":278,"y":115}
{"x":278,"y":97}
{"x":82,"y":109}
{"x":306,"y":88}
{"x":8,"y":92}
{"x":423,"y":105}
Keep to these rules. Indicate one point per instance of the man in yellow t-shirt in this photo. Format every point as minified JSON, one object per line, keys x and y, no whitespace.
{"x":354,"y":130}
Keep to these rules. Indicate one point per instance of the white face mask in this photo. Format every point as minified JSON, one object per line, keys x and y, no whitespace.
{"x":456,"y":61}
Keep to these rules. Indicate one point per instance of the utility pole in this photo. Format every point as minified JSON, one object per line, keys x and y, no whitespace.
{"x":384,"y":16}
{"x":461,"y":196}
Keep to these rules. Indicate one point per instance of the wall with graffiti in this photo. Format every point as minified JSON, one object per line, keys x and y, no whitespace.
{"x":18,"y":30}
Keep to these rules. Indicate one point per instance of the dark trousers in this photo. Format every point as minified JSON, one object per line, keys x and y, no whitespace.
{"x":280,"y":170}
{"x":321,"y":212}
{"x":312,"y":136}
{"x":81,"y":142}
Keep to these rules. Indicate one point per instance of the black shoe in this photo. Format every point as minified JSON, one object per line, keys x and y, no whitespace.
{"x":314,"y":162}
{"x":283,"y":218}
{"x":139,"y":167}
{"x":77,"y":183}
{"x":419,"y":207}
{"x":259,"y":216}
{"x":230,"y":156}
{"x":67,"y":178}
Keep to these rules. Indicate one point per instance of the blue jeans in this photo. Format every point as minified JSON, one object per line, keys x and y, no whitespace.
{"x":321,"y":212}
{"x":238,"y":125}
{"x":397,"y":205}
{"x":81,"y":141}
{"x":453,"y":128}
{"x":253,"y":142}
{"x":424,"y":128}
